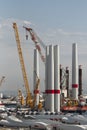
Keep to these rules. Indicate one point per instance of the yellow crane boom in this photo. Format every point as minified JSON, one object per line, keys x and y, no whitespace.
{"x":28,"y":100}
{"x":40,"y":105}
{"x":21,"y":97}
{"x":35,"y":91}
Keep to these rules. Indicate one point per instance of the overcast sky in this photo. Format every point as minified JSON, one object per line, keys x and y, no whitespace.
{"x":61,"y":22}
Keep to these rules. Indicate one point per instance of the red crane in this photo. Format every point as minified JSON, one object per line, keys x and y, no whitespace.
{"x":37,"y":41}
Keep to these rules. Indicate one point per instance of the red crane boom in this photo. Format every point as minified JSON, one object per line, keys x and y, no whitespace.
{"x":37,"y":42}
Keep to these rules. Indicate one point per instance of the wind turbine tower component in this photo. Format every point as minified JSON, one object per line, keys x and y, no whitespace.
{"x":36,"y":73}
{"x":80,"y":80}
{"x":49,"y":104}
{"x":56,"y":79}
{"x":74,"y":71}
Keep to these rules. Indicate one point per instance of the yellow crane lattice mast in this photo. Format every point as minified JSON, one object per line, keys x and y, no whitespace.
{"x":28,"y":98}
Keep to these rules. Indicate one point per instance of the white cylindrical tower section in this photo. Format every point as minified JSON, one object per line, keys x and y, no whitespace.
{"x":56,"y":79}
{"x":46,"y":77}
{"x":46,"y":67}
{"x":50,"y":88}
{"x":36,"y":74}
{"x":74,"y":71}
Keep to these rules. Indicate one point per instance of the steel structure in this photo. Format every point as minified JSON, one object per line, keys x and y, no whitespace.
{"x":37,"y":41}
{"x":28,"y":98}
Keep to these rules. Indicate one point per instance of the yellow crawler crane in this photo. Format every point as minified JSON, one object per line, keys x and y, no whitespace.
{"x":29,"y":99}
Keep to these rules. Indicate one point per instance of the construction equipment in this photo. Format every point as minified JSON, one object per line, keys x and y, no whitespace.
{"x":37,"y":41}
{"x":2,"y":79}
{"x":63,"y":78}
{"x":21,"y":97}
{"x":39,"y":106}
{"x":29,"y":97}
{"x":72,"y":102}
